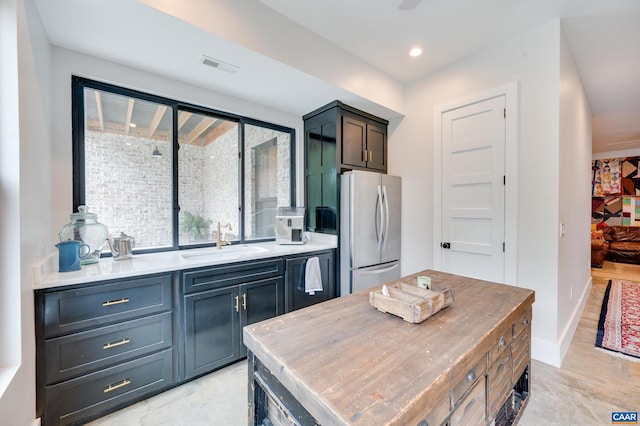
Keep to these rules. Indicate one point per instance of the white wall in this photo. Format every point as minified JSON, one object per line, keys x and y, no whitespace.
{"x":532,"y":59}
{"x":9,"y":193}
{"x":574,"y":255}
{"x":28,"y":233}
{"x":305,"y":50}
{"x":67,"y":63}
{"x":616,"y":154}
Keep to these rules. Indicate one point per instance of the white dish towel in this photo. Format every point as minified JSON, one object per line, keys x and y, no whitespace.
{"x":312,"y":276}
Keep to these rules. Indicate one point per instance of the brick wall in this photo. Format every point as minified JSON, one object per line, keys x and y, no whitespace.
{"x":132,"y":194}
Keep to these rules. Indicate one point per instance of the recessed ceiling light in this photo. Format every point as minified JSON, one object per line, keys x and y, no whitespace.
{"x":416,"y":51}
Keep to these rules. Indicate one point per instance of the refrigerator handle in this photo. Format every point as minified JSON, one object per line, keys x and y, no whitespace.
{"x":379,"y":271}
{"x":386,"y":215}
{"x":380,"y":207}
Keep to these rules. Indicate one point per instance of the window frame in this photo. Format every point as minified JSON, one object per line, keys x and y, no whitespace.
{"x":78,"y":84}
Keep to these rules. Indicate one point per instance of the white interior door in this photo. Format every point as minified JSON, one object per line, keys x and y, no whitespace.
{"x":473,"y":190}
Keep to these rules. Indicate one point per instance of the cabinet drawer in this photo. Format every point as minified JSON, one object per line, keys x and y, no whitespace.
{"x":86,"y":351}
{"x":468,"y":380}
{"x":520,"y":350}
{"x":500,"y":345}
{"x":223,"y":276}
{"x":522,"y":322}
{"x":498,"y":383}
{"x":78,"y":399}
{"x":471,"y":410}
{"x":99,"y":304}
{"x":439,"y":414}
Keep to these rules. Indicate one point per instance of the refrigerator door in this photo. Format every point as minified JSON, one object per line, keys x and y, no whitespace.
{"x":364,"y":278}
{"x":392,"y":201}
{"x":365,"y":218}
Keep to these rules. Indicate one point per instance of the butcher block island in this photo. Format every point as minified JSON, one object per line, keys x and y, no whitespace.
{"x":343,"y":362}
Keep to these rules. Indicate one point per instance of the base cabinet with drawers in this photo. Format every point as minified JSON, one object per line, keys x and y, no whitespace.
{"x":473,"y":369}
{"x":100,"y":347}
{"x":496,"y":387}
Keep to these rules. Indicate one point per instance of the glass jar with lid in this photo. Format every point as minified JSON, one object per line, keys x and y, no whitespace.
{"x":85,"y":227}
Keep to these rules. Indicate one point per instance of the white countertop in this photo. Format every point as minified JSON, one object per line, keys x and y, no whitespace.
{"x":145,"y":264}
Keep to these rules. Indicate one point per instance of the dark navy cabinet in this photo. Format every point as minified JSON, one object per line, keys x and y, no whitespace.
{"x":102,"y":346}
{"x":337,"y":138}
{"x":296,"y":296}
{"x":218,"y":302}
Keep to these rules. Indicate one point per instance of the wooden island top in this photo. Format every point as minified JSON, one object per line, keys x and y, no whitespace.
{"x":345,"y":362}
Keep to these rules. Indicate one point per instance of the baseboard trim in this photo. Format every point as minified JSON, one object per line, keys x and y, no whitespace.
{"x":553,"y":353}
{"x":545,"y":351}
{"x":570,"y":329}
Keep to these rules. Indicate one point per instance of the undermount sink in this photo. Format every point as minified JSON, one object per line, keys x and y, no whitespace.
{"x":227,"y":252}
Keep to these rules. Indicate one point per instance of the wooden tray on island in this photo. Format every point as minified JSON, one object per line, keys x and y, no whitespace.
{"x":412,"y":304}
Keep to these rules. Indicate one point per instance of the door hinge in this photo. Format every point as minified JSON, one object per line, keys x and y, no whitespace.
{"x":504,"y":179}
{"x":505,"y":113}
{"x":503,"y":244}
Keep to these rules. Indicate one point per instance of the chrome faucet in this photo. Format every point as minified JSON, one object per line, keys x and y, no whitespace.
{"x":220,"y":242}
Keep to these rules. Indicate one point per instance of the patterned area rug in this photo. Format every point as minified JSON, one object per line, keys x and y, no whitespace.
{"x":619,"y":325}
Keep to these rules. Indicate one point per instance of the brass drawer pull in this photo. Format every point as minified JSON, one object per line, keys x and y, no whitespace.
{"x":364,"y":155}
{"x":244,"y":301}
{"x":370,"y":156}
{"x":236,"y":303}
{"x":116,"y":344}
{"x":116,"y":302}
{"x":117,"y":385}
{"x":502,"y":342}
{"x":471,"y":376}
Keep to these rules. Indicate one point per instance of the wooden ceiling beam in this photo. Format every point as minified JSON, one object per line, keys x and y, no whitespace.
{"x":99,"y":108}
{"x":183,"y":116}
{"x":127,"y":123}
{"x":156,"y":119}
{"x":220,"y":130}
{"x":200,"y":128}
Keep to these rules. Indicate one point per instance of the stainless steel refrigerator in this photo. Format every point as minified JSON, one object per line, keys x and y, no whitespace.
{"x":369,"y":230}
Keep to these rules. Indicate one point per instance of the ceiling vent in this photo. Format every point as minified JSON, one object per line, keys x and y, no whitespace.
{"x":408,"y":4}
{"x":215,"y":63}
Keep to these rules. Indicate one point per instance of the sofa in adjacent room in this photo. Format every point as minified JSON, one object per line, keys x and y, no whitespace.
{"x":623,"y":243}
{"x":599,"y":249}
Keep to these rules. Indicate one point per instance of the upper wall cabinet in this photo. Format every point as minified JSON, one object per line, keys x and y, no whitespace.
{"x":338,"y":138}
{"x":364,"y":143}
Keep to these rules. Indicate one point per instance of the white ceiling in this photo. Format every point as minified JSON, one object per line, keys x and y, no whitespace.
{"x":603,"y":35}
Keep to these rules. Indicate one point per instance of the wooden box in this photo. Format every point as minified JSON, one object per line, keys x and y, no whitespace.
{"x":413,"y":304}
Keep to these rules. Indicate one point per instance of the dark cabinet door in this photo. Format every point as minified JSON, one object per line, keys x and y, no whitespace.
{"x":377,"y":147}
{"x":354,"y":141}
{"x":212,"y":326}
{"x":259,"y":301}
{"x":364,"y":143}
{"x":296,"y":297}
{"x":320,"y":174}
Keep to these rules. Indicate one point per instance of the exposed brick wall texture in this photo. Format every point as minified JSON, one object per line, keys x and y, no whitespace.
{"x":130,"y":190}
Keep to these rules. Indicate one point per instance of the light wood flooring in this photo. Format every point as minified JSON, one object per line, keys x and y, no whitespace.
{"x":591,"y":383}
{"x":584,"y":391}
